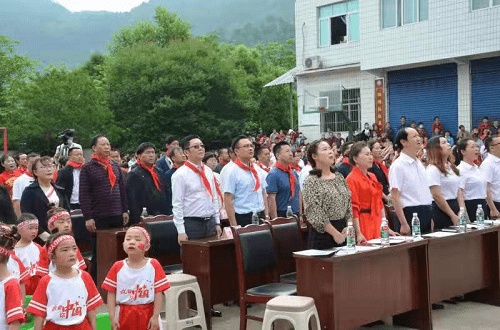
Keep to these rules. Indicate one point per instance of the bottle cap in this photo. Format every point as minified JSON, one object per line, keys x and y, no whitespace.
{"x":415,"y":214}
{"x":462,"y":209}
{"x":479,"y":206}
{"x":349,"y":223}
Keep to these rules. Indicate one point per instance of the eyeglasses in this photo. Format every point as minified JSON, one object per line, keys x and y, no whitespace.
{"x":198,"y":146}
{"x":246,"y":146}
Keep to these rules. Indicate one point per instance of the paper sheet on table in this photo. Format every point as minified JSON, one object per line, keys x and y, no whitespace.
{"x":392,"y":239}
{"x":359,"y":249}
{"x":315,"y":253}
{"x":439,"y":234}
{"x":492,"y":222}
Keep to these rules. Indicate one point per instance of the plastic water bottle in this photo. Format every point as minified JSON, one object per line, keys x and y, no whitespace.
{"x":384,"y":233}
{"x":255,"y":218}
{"x":415,"y":227}
{"x":480,"y":216}
{"x":462,"y":228}
{"x":144,"y":212}
{"x":351,"y":237}
{"x":289,"y":212}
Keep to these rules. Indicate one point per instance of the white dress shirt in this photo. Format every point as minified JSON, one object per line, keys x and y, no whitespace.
{"x":190,"y":198}
{"x":19,"y":185}
{"x":224,"y":173}
{"x":472,"y":181}
{"x":304,"y":174}
{"x":491,"y":171}
{"x":408,"y":176}
{"x":76,"y":186}
{"x":449,"y":184}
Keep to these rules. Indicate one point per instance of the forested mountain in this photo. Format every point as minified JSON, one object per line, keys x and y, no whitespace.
{"x":50,"y":33}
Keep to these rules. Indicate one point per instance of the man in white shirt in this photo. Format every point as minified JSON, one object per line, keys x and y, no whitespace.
{"x":408,"y":182}
{"x":226,"y":170}
{"x":22,"y":182}
{"x":491,"y":170}
{"x":245,"y":187}
{"x":194,"y":195}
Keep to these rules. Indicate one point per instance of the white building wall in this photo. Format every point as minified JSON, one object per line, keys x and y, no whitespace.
{"x":452,"y":31}
{"x":307,"y":40}
{"x":310,"y":84}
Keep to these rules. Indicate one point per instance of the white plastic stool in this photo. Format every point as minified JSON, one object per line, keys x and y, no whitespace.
{"x":296,"y":309}
{"x":180,"y":283}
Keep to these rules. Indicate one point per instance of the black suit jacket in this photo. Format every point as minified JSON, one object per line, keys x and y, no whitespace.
{"x":35,"y":202}
{"x":65,"y":180}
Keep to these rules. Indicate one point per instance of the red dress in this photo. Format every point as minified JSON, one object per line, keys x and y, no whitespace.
{"x":7,"y":178}
{"x":366,"y":202}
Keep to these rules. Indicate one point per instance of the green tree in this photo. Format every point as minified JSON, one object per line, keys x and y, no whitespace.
{"x":55,"y":100}
{"x":15,"y":69}
{"x":169,"y":26}
{"x":181,"y":89}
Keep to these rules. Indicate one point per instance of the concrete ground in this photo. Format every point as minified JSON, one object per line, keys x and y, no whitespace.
{"x":462,"y":316}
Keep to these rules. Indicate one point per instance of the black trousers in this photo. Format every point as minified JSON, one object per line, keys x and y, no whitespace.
{"x":74,"y":206}
{"x":323,"y":241}
{"x":246,"y":218}
{"x":424,"y":215}
{"x":115,"y":221}
{"x":441,"y":219}
{"x":471,"y":206}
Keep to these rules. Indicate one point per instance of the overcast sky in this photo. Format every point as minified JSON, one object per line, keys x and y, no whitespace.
{"x":100,"y":5}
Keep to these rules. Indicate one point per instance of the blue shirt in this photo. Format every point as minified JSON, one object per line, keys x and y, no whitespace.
{"x":241,"y":185}
{"x":278,"y":182}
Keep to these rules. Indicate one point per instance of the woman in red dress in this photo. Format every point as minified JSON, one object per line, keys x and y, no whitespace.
{"x":366,"y":198}
{"x":9,"y":175}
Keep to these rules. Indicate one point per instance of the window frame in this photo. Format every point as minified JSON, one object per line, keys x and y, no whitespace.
{"x":490,"y":5}
{"x":400,"y":14}
{"x":351,"y":98}
{"x":347,"y":14}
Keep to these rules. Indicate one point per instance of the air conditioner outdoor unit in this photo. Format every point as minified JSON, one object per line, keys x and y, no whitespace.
{"x":312,"y":62}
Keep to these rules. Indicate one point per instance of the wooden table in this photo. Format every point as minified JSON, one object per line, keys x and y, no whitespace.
{"x":465,"y":263}
{"x":213,"y":262}
{"x":109,"y":250}
{"x":353,"y":290}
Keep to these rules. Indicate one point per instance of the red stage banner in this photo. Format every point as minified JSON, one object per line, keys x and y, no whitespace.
{"x":380,"y":103}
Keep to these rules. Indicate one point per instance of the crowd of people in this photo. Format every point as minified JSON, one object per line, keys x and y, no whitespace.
{"x":327,"y":183}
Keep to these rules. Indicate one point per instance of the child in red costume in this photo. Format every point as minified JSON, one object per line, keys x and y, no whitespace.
{"x":135,"y":286}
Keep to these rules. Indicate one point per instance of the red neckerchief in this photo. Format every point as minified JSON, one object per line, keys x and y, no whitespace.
{"x":293,"y":179}
{"x":250,"y":169}
{"x":383,"y":167}
{"x":104,"y":162}
{"x":30,"y":174}
{"x":223,"y":162}
{"x":295,"y":167}
{"x":264,"y":167}
{"x":346,"y":161}
{"x":168,"y":153}
{"x":218,"y":190}
{"x":74,"y":164}
{"x":201,"y":173}
{"x":22,"y":170}
{"x":175,"y":166}
{"x":151,"y":171}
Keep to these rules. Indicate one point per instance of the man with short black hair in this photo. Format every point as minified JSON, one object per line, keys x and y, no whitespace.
{"x":264,"y":158}
{"x":283,"y":187}
{"x":403,"y":123}
{"x":165,"y":163}
{"x":224,"y":159}
{"x":69,"y":177}
{"x":22,"y":182}
{"x":491,"y":171}
{"x":244,"y":188}
{"x":22,"y":164}
{"x":178,"y":158}
{"x":103,"y":196}
{"x":408,"y":182}
{"x":144,"y":187}
{"x":345,"y":168}
{"x":194,"y":195}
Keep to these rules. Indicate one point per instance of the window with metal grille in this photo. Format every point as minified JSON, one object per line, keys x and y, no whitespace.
{"x":351,"y":105}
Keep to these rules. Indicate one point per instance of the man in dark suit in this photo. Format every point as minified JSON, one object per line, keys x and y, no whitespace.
{"x":69,"y":176}
{"x":144,"y":186}
{"x":165,"y":163}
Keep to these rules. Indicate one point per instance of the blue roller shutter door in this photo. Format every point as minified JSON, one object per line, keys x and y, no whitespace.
{"x":423,"y":93}
{"x":485,"y":89}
